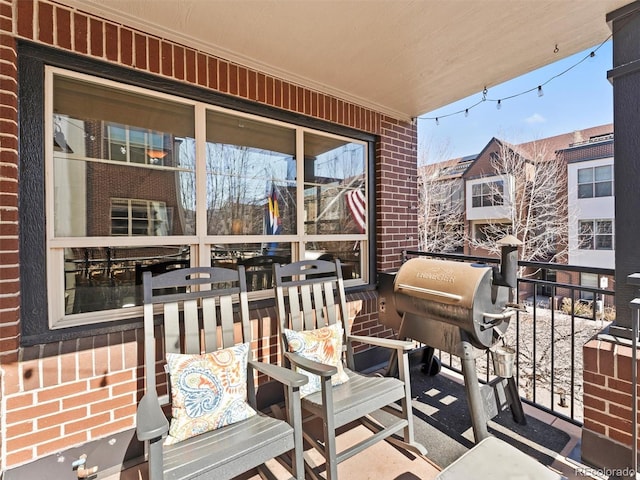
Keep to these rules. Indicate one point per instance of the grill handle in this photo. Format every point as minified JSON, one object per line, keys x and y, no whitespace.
{"x":498,"y":317}
{"x":428,"y":291}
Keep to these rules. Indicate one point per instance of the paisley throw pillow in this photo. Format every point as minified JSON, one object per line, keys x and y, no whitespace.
{"x":208,"y":391}
{"x":323,"y":345}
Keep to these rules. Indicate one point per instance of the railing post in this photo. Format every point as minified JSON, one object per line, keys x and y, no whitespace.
{"x":634,"y":279}
{"x":635,"y":319}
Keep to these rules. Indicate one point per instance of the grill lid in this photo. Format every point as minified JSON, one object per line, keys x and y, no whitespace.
{"x":428,"y":291}
{"x":453,"y":283}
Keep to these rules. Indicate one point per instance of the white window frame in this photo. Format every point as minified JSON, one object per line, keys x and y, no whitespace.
{"x":593,"y":182}
{"x":129,"y":205}
{"x":495,"y":188}
{"x":200,"y":243}
{"x":594,"y":234}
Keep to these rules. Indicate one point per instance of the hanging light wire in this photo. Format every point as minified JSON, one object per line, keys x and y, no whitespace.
{"x":537,"y":88}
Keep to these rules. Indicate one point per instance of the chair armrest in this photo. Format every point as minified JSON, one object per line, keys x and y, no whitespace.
{"x":281,"y":374}
{"x":311,"y":366}
{"x":150,"y":419}
{"x":401,"y":345}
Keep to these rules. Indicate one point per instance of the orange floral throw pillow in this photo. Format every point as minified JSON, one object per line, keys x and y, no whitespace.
{"x":322,"y":345}
{"x":208,"y":391}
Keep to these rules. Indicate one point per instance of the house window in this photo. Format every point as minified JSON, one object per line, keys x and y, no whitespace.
{"x":588,"y":280}
{"x":595,"y":235}
{"x":142,"y":181}
{"x":487,"y":194}
{"x":595,"y":181}
{"x":138,"y":217}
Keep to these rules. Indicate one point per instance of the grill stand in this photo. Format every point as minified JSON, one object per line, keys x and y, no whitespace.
{"x":484,"y":401}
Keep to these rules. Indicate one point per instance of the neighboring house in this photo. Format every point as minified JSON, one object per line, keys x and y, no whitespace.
{"x":497,"y":181}
{"x":591,"y":195}
{"x":441,"y":205}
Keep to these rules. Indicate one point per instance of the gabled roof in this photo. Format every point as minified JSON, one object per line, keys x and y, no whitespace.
{"x":528,"y":150}
{"x":449,"y":169}
{"x":566,"y":140}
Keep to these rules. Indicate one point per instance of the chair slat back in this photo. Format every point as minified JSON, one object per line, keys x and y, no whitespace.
{"x":171,"y":327}
{"x":197,"y":313}
{"x":210,"y":324}
{"x":191,"y":327}
{"x":309,"y":295}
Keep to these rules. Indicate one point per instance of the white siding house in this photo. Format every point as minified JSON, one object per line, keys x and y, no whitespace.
{"x":591,"y":212}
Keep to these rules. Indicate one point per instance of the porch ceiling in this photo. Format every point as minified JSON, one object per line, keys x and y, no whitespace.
{"x":402,"y":57}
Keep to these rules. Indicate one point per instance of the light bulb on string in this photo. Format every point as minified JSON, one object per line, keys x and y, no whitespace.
{"x":485,"y":90}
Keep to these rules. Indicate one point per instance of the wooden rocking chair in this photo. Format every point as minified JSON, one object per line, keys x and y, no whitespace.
{"x":197,"y":316}
{"x":309,"y":296}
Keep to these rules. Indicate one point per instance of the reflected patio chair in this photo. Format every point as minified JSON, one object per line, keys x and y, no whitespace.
{"x":315,"y":336}
{"x":259,"y":271}
{"x":215,"y":431}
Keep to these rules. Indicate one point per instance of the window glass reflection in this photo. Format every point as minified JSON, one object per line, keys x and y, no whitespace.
{"x":334,"y":186}
{"x":349,"y":254}
{"x":122,"y":162}
{"x":106,"y":278}
{"x":251,"y":177}
{"x":257,"y":259}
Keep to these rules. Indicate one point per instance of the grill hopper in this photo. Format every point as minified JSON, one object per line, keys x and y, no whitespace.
{"x":430,"y":292}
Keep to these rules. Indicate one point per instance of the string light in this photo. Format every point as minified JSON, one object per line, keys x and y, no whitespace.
{"x":537,"y":88}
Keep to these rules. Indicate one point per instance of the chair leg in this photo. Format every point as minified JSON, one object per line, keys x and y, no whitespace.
{"x":155,"y":459}
{"x":403,"y":374}
{"x":295,"y":417}
{"x":329,"y":431}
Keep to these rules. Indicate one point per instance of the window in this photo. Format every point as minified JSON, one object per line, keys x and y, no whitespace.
{"x":595,"y":182}
{"x":588,"y":280}
{"x":138,"y":217}
{"x":142,"y":181}
{"x":595,"y":235}
{"x":487,"y":194}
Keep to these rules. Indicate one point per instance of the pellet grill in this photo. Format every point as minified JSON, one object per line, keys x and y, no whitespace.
{"x":463,"y":309}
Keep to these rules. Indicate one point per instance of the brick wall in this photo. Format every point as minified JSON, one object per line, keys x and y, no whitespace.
{"x":59,"y":395}
{"x":9,"y":268}
{"x":607,"y":390}
{"x":396,"y":187}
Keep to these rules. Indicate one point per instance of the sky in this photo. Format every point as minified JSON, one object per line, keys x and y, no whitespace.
{"x":582,"y":97}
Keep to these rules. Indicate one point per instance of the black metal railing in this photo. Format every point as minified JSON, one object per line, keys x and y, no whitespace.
{"x":561,"y":317}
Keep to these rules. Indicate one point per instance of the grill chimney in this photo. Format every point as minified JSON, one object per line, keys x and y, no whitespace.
{"x":507,"y":276}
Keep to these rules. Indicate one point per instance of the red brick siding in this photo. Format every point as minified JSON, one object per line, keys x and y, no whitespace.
{"x":396,"y":189}
{"x":63,"y":394}
{"x":597,"y":150}
{"x":9,"y":255}
{"x":607,"y":390}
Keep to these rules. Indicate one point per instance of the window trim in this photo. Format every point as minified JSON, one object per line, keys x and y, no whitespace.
{"x":593,"y":181}
{"x":32,"y":60}
{"x":593,"y":235}
{"x":490,"y":194}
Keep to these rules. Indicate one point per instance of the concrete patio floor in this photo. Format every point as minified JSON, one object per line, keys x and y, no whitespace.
{"x":442,"y":424}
